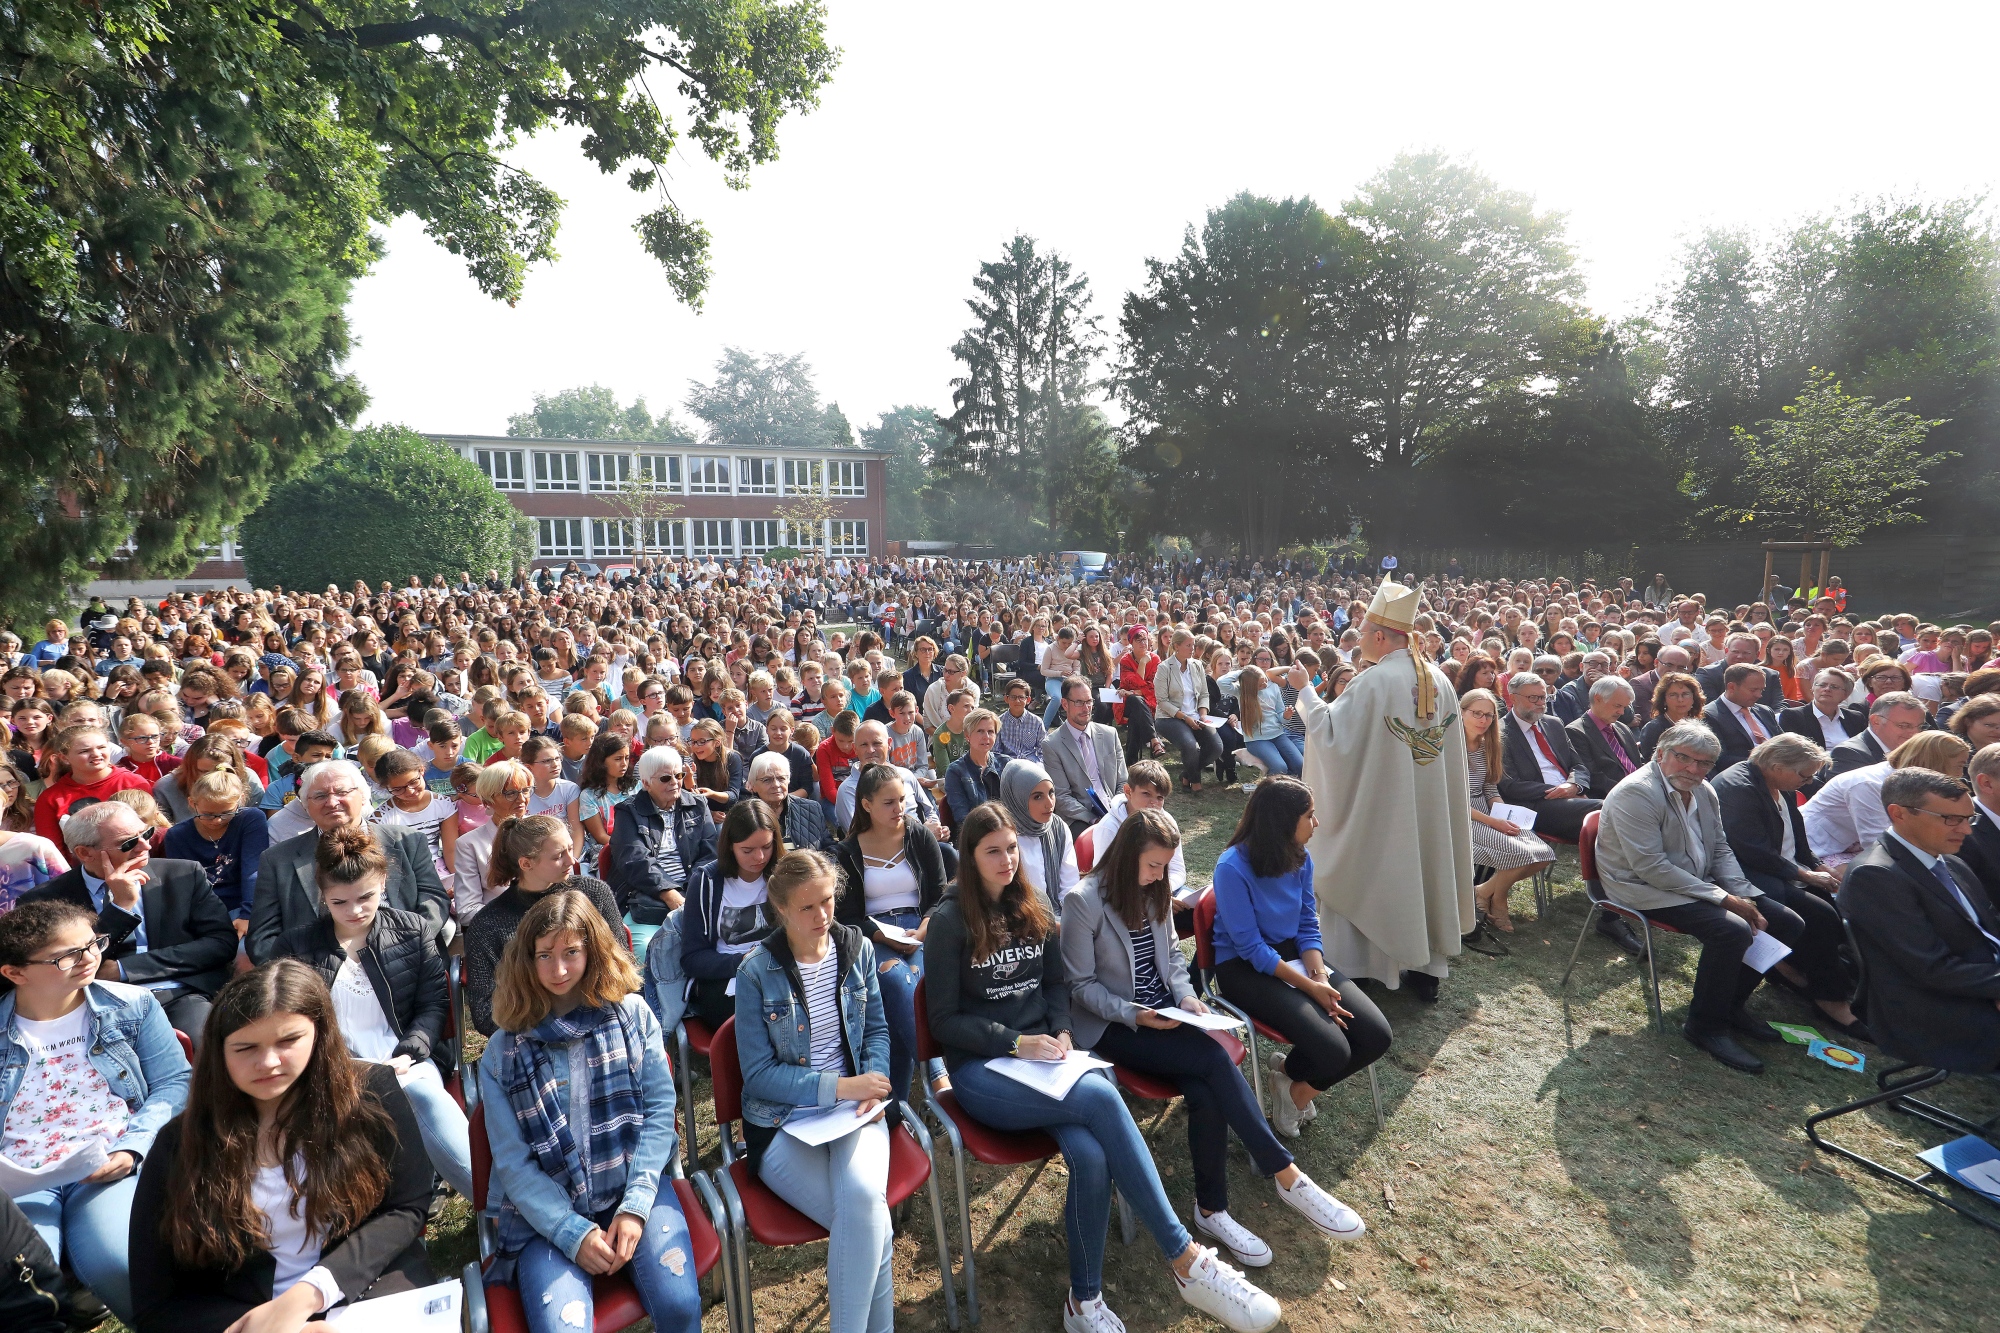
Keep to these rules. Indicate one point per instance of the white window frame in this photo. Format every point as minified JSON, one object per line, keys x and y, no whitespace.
{"x":756,"y":475}
{"x":659,"y":472}
{"x":607,"y":472}
{"x":847,"y":476}
{"x":611,"y":537}
{"x":758,"y":535}
{"x":666,"y":536}
{"x":847,"y":536}
{"x":560,"y":539}
{"x":805,"y":476}
{"x":703,"y":478}
{"x":807,"y":540}
{"x":507,"y":469}
{"x":558,"y":470}
{"x":703,"y":534}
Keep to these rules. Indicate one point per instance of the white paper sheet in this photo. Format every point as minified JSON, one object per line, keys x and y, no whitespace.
{"x":1209,"y":720}
{"x":730,"y":989}
{"x":816,"y":1126}
{"x":1212,"y":1020}
{"x":16,"y":1180}
{"x":1108,"y":695}
{"x":895,"y":933}
{"x":1052,"y":1078}
{"x":434,"y":1309}
{"x":1764,"y":951}
{"x":1514,"y":814}
{"x":1983,"y":1176}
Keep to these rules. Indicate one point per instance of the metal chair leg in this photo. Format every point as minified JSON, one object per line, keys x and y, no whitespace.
{"x":1588,"y":919}
{"x":1250,"y":1039}
{"x":924,"y":1141}
{"x":725,"y":1269}
{"x":1375,"y":1092}
{"x":952,"y":1137}
{"x":1124,"y":1215}
{"x":739,"y":1232}
{"x":1653,"y":984}
{"x":1891,"y":1094}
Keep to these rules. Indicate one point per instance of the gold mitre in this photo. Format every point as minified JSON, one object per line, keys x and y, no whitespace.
{"x":1394,"y":607}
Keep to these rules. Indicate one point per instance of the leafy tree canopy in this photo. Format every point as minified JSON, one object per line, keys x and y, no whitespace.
{"x":766,"y":402}
{"x":392,"y":503}
{"x":186,"y":191}
{"x":912,"y":437}
{"x":592,"y":413}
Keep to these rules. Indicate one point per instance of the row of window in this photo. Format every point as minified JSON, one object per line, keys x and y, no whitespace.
{"x":612,"y":538}
{"x":674,"y":474}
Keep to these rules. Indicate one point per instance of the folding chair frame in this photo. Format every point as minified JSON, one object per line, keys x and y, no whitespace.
{"x":1897,"y":1097}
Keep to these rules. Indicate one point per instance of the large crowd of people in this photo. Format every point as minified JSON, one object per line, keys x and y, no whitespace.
{"x":869,"y":810}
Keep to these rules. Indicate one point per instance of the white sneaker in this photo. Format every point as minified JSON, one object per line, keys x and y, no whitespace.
{"x":1244,"y":1245}
{"x":1284,"y":1112}
{"x":1219,"y":1291}
{"x":1329,"y":1216}
{"x":1310,"y":1111}
{"x":1089,"y":1317}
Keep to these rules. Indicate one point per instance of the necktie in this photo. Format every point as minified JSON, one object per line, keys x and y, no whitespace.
{"x":1543,"y":742}
{"x":1756,"y":732}
{"x":1944,"y":877}
{"x":1617,"y":747}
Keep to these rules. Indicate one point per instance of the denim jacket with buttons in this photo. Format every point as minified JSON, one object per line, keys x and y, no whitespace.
{"x":131,"y":1044}
{"x":774,"y":1038}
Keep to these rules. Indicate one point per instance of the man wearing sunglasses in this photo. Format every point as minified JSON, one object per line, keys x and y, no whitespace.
{"x":168,"y":930}
{"x":1928,"y":933}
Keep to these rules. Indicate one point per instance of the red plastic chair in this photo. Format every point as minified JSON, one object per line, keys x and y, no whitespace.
{"x":187,"y":1045}
{"x":995,"y":1147}
{"x":1586,"y":855}
{"x":1204,"y":958}
{"x":756,"y":1211}
{"x":1086,"y":851}
{"x":614,"y":1300}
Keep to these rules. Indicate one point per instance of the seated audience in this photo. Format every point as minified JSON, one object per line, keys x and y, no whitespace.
{"x":1600,"y":738}
{"x":835,"y":1056}
{"x":892,"y":876}
{"x":664,"y":832}
{"x":1083,"y":758}
{"x":225,"y":837}
{"x":1981,"y":849}
{"x":1511,"y":852}
{"x":389,"y":988}
{"x":974,"y":778}
{"x":573,"y":1201}
{"x":89,"y":774}
{"x":1261,"y":715}
{"x":801,"y":819}
{"x":531,"y":857}
{"x":998,"y":989}
{"x":1928,"y":931}
{"x":1767,"y":833}
{"x":1147,"y":787}
{"x":726,"y":913}
{"x":166,"y":929}
{"x":871,"y":746}
{"x":1127,"y":975}
{"x":1662,"y":850}
{"x":93,"y":1070}
{"x":1541,"y":772}
{"x":1846,"y":814}
{"x":1744,"y":650}
{"x":1047,"y":847}
{"x":1827,"y":719}
{"x":1738,"y":718}
{"x":1676,"y":699}
{"x":1181,"y":686}
{"x":503,"y":789}
{"x":1893,"y":717}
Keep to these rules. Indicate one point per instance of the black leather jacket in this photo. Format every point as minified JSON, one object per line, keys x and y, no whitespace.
{"x":403,"y":966}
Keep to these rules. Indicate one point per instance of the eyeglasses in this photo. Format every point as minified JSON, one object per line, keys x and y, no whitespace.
{"x":517,"y":791}
{"x":1949,"y":821}
{"x":131,"y":844}
{"x":216,"y":818}
{"x":70,"y":959}
{"x":669,"y":779}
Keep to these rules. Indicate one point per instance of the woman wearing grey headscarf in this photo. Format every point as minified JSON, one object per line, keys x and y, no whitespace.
{"x":1029,"y":795}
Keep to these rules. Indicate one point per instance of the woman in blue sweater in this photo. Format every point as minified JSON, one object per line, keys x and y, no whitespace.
{"x":1262,"y":710}
{"x":1267,"y":954}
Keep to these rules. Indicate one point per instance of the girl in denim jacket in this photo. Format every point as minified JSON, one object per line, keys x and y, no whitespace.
{"x":812,"y":1038}
{"x":580,"y":1113}
{"x":89,"y":1072}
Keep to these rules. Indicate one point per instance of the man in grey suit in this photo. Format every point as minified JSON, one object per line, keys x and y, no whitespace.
{"x":335,"y":794}
{"x":1662,"y":850}
{"x":1085,"y":762}
{"x":1892,"y":719}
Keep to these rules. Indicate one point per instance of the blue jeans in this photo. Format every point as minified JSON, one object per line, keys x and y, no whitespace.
{"x":1100,"y":1144}
{"x":447,"y":1137}
{"x":555,"y":1293}
{"x":96,"y":1222}
{"x":1281,"y":754}
{"x":844,"y":1187}
{"x":898,"y":974}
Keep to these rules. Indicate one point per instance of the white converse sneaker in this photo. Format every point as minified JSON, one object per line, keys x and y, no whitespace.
{"x":1089,"y":1317}
{"x":1284,"y":1112}
{"x":1329,"y":1216}
{"x":1310,"y":1111}
{"x":1244,"y":1245}
{"x":1221,"y":1292}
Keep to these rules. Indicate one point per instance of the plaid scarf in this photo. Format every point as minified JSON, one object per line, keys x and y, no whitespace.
{"x":604,"y":1049}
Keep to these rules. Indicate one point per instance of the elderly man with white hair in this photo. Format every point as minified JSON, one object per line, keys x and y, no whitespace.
{"x":168,"y":931}
{"x":1662,"y":850}
{"x":1601,"y":738}
{"x":1573,"y":699}
{"x":335,"y":795}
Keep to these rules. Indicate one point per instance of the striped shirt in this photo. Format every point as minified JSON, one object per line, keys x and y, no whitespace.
{"x":1149,"y":989}
{"x":822,"y":981}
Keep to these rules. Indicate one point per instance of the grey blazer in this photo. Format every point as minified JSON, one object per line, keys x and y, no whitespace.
{"x":1097,"y":955}
{"x":288,"y":890}
{"x":1071,"y":779}
{"x":1643,"y":857}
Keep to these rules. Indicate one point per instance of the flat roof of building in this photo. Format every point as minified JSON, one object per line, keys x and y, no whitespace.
{"x":518,"y":441}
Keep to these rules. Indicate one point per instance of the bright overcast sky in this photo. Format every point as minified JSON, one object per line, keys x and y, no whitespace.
{"x":1105,"y":129}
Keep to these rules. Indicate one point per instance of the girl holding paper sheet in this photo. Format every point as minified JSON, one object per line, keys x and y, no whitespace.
{"x":1512,"y":852}
{"x":295,"y":1181}
{"x":580,"y":1197}
{"x":1124,"y":966}
{"x":86,"y":1067}
{"x":893,"y":876}
{"x":810,"y":1034}
{"x":998,"y":988}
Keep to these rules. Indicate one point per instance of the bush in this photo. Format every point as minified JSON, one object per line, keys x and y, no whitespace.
{"x":389,"y":505}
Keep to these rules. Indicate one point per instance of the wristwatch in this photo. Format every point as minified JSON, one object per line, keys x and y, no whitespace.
{"x":1015,"y":1049}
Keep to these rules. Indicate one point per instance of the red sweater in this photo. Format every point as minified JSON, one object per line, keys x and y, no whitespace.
{"x":833,"y":764}
{"x":57,"y":798}
{"x":1139,"y":680}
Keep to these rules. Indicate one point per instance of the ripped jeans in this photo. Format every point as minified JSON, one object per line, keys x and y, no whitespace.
{"x":555,"y":1293}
